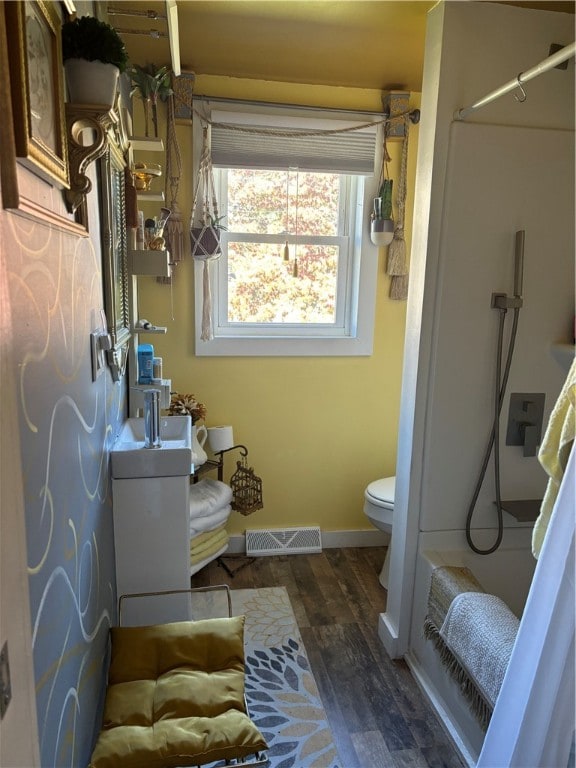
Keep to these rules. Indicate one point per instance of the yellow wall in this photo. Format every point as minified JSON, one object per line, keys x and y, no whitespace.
{"x":317,"y":429}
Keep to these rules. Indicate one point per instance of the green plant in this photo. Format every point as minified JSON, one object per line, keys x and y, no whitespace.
{"x":385,"y":196}
{"x":151,"y":83}
{"x":216,"y":222}
{"x":89,"y":38}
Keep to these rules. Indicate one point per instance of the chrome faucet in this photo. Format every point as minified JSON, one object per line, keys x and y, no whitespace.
{"x":152,"y":418}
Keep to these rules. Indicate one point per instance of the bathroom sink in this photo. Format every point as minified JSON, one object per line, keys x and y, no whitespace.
{"x":174,"y":457}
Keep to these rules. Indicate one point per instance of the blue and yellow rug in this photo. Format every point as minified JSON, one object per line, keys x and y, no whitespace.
{"x":282,"y":695}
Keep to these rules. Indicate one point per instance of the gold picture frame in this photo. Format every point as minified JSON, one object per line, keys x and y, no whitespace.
{"x":37,"y":86}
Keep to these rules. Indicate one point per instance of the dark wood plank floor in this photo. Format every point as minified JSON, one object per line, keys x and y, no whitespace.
{"x":378,"y":715}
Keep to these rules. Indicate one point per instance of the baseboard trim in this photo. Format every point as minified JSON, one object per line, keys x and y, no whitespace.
{"x":330,"y":540}
{"x":388,"y":635}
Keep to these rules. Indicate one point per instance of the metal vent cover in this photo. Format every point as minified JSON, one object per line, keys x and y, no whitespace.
{"x":275,"y":541}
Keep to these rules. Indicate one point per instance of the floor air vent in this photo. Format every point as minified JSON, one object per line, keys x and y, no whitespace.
{"x":287,"y":541}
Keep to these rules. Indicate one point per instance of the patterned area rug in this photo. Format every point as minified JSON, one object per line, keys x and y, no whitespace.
{"x":282,"y":695}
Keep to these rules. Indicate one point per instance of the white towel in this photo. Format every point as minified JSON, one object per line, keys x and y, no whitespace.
{"x":209,"y":522}
{"x":480,"y":630}
{"x":208,"y":495}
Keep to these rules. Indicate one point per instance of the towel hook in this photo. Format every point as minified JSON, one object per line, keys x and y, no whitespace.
{"x":522,"y":98}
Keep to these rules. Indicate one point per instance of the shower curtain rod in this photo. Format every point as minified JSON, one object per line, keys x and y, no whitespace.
{"x":552,"y":61}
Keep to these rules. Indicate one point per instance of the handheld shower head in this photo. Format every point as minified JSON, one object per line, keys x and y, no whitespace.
{"x":502,"y":301}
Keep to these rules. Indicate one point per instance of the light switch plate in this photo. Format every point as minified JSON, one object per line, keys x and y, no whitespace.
{"x":97,"y":354}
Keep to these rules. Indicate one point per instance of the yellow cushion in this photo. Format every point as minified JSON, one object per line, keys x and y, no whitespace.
{"x":175,"y":697}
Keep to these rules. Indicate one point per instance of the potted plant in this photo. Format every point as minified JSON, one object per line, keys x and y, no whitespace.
{"x":382,"y":224}
{"x":94,"y":56}
{"x":151,"y":83}
{"x":205,"y":239}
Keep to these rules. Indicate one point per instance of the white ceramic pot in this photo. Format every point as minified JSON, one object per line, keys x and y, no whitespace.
{"x":382,"y":231}
{"x":91,"y":82}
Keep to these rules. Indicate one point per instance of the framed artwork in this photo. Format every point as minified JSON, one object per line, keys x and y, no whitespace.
{"x":115,"y":257}
{"x":37,"y":86}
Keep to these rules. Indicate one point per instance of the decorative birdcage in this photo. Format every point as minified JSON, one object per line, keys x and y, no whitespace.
{"x":246,"y":488}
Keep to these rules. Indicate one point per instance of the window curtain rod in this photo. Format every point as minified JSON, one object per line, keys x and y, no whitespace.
{"x":552,"y":61}
{"x":413,"y":114}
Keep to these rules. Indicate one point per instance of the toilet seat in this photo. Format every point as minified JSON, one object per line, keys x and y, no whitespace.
{"x":381,"y":492}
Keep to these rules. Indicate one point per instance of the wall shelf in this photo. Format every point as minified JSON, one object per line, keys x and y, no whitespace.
{"x":79,"y":117}
{"x":137,"y":393}
{"x":149,"y":262}
{"x":151,"y":196}
{"x":216,"y":463}
{"x":147,"y":143}
{"x":524,"y":510}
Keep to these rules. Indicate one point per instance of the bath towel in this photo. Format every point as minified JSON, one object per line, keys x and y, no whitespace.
{"x":209,"y":551}
{"x":195,"y":567}
{"x":208,"y":495}
{"x":201,"y":538}
{"x":554,"y":453}
{"x":447,"y":582}
{"x":209,"y":522}
{"x":480,"y":631}
{"x":208,"y":544}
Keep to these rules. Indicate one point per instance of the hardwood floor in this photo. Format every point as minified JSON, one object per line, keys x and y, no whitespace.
{"x":378,"y":715}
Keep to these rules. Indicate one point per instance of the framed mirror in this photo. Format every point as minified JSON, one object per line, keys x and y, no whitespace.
{"x":115,"y":258}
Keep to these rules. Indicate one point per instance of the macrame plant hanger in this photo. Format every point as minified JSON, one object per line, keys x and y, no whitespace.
{"x":295,"y":265}
{"x":397,"y":266}
{"x":174,"y":231}
{"x":287,"y":217}
{"x":287,"y":222}
{"x":205,"y":230}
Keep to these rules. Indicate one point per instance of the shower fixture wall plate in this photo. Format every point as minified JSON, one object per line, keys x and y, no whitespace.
{"x":503,"y":301}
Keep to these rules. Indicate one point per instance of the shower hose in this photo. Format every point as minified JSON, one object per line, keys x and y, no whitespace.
{"x":501,"y":381}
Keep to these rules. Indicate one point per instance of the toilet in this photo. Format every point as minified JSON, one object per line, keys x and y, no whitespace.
{"x":379,"y":508}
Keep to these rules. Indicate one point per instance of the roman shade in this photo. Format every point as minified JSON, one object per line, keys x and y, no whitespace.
{"x":279,"y":137}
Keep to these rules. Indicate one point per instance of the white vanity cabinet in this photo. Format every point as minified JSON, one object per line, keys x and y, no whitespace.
{"x":152,"y":543}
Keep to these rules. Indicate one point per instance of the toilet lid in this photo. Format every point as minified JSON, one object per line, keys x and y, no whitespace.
{"x":383,"y":489}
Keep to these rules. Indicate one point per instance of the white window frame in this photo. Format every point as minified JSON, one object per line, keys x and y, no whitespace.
{"x":351,"y":335}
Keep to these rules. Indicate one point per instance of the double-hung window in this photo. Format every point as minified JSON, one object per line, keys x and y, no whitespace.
{"x":297,"y":274}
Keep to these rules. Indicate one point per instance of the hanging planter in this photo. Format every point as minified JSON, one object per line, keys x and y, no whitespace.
{"x":205,"y":228}
{"x":382,"y":223}
{"x":205,"y":239}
